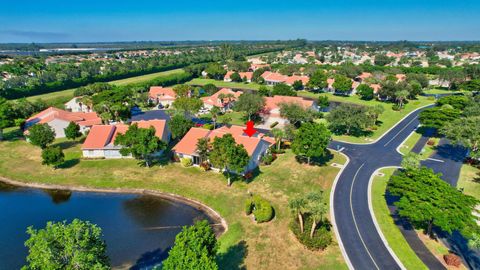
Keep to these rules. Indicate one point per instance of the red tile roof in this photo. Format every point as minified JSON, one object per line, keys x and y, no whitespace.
{"x":159,"y":125}
{"x":248,"y":75}
{"x":161,"y":93}
{"x":273,"y":103}
{"x":81,"y":118}
{"x":215,"y":101}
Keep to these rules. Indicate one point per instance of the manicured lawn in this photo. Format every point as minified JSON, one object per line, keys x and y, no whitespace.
{"x":469,"y":180}
{"x":391,"y":232}
{"x":428,"y":150}
{"x":387,"y":120}
{"x":436,"y":91}
{"x":143,"y":78}
{"x":269,"y":246}
{"x":237,"y":117}
{"x":408,"y":145}
{"x":200,"y":81}
{"x":64,"y":96}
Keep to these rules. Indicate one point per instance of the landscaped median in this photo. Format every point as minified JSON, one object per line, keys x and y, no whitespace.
{"x":269,"y":245}
{"x":235,"y":85}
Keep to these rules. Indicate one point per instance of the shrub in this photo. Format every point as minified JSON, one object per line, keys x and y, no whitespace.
{"x":186,"y":162}
{"x":431,"y":142}
{"x":396,"y":107}
{"x":248,"y":175}
{"x":320,"y":240}
{"x":262,"y":209}
{"x":452,"y":259}
{"x":248,"y":206}
{"x":205,"y":166}
{"x":208,"y":126}
{"x":268,"y":159}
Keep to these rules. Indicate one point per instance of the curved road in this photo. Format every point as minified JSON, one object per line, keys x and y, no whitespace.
{"x":361,"y":241}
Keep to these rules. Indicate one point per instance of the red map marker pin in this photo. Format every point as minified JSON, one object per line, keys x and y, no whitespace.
{"x":250,"y":130}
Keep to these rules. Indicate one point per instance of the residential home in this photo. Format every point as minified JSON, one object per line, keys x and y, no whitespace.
{"x":223,"y":99}
{"x":271,"y":111}
{"x":76,"y":105}
{"x":164,"y":96}
{"x":273,"y":78}
{"x":376,"y":87}
{"x":101,"y":138}
{"x":256,"y":146}
{"x":246,"y":76}
{"x":401,"y":77}
{"x":59,"y":119}
{"x":363,"y":76}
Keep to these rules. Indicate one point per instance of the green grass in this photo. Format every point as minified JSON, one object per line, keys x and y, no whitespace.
{"x":143,"y":78}
{"x":247,"y":86}
{"x":60,"y":97}
{"x":469,"y":180}
{"x":428,"y":150}
{"x":391,"y":232}
{"x":436,"y":91}
{"x":268,"y":246}
{"x":387,"y":120}
{"x":408,"y":145}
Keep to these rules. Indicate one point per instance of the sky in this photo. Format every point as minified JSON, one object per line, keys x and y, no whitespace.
{"x":160,"y":20}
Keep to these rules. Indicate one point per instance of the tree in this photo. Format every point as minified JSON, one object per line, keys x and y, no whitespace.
{"x":323,"y":102}
{"x":365,"y":91}
{"x":6,"y":119}
{"x":457,"y":102}
{"x":437,"y":117}
{"x":382,"y":60}
{"x":202,"y":149}
{"x":187,"y":106}
{"x":317,"y":207}
{"x":76,"y":245}
{"x":195,"y":247}
{"x":41,"y":135}
{"x":235,"y":77}
{"x":179,"y":126}
{"x":295,"y":113}
{"x":374,"y":112}
{"x":400,"y":96}
{"x":411,"y":161}
{"x":210,"y":89}
{"x":311,"y":140}
{"x":228,"y":156}
{"x":454,"y":77}
{"x":182,"y":90}
{"x":342,"y":84}
{"x":282,"y":89}
{"x":72,"y":131}
{"x":215,"y":112}
{"x":348,"y":119}
{"x":264,"y":91}
{"x":141,"y":143}
{"x":249,"y":103}
{"x":472,"y":85}
{"x":297,"y":207}
{"x":297,"y":85}
{"x":278,"y":134}
{"x":464,"y":131}
{"x":427,"y":201}
{"x":52,"y":156}
{"x":215,"y":71}
{"x":421,"y":78}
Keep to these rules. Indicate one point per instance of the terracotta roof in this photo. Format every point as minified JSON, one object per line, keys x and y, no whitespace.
{"x":248,"y":75}
{"x":215,"y":101}
{"x":376,"y":87}
{"x":277,"y":77}
{"x":187,"y":144}
{"x":81,"y":118}
{"x":365,"y":75}
{"x":273,"y":103}
{"x":162,"y":93}
{"x":158,"y":124}
{"x":401,"y":77}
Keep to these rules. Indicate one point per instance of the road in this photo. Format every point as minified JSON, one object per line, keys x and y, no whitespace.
{"x":361,"y":241}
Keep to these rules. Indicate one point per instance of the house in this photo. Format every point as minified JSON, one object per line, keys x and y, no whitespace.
{"x":376,"y":87}
{"x":401,"y":77}
{"x":256,"y":146}
{"x":273,"y":78}
{"x":223,"y":99}
{"x":59,"y":119}
{"x":255,"y":66}
{"x":163,"y":96}
{"x":363,"y":76}
{"x":247,"y":76}
{"x":271,"y":111}
{"x":76,"y":105}
{"x":100,"y":140}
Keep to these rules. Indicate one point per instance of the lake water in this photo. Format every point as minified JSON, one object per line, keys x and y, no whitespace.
{"x":138,"y":229}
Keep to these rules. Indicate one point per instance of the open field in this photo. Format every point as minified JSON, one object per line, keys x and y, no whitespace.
{"x":248,"y":86}
{"x":387,"y":120}
{"x":268,"y":246}
{"x":391,"y":232}
{"x":65,"y":95}
{"x":469,"y":180}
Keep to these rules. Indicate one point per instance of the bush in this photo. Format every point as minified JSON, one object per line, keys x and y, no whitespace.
{"x":396,"y":107}
{"x":431,"y":142}
{"x":186,"y":162}
{"x":208,"y":126}
{"x":268,"y":159}
{"x":205,"y":166}
{"x":321,"y":239}
{"x":262,"y":209}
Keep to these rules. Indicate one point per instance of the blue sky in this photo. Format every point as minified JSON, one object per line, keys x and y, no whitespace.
{"x":120,"y":20}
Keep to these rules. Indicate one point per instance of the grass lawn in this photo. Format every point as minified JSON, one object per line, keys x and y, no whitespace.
{"x":428,"y":150}
{"x":469,"y":180}
{"x":391,"y":232}
{"x":387,"y":120}
{"x":236,"y":85}
{"x":436,"y":91}
{"x":269,"y":246}
{"x":237,"y":117}
{"x":143,"y":78}
{"x":60,"y":97}
{"x":408,"y":145}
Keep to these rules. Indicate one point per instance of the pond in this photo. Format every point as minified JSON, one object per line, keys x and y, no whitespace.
{"x":138,"y":229}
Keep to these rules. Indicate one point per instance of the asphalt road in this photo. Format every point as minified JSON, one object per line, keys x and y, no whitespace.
{"x":362,"y":243}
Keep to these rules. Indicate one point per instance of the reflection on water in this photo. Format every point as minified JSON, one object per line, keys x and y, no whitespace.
{"x":138,"y":229}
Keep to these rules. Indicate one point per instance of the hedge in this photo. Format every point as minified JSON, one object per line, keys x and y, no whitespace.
{"x":262,"y":209}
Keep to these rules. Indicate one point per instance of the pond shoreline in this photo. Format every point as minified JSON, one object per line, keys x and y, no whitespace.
{"x":214,"y":215}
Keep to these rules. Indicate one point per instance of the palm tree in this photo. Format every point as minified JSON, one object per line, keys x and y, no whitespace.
{"x":215,"y":112}
{"x":279,"y":135}
{"x":202,"y":149}
{"x":317,"y":208}
{"x":297,"y":206}
{"x":401,"y":96}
